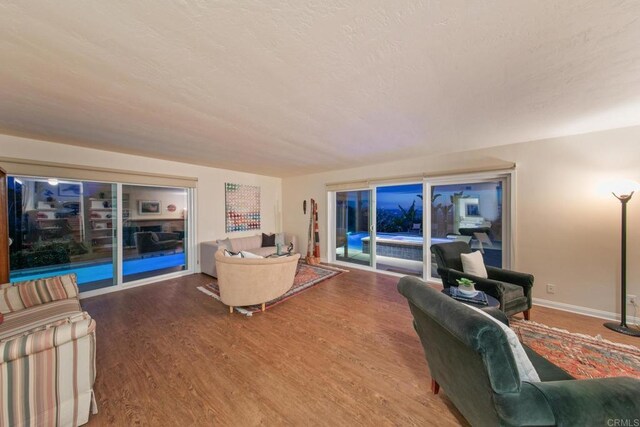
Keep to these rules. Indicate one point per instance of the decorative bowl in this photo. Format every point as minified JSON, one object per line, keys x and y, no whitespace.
{"x":467,"y":292}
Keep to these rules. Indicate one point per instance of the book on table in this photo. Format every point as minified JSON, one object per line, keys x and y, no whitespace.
{"x":480,"y":298}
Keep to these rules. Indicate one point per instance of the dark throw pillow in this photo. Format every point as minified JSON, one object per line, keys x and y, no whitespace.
{"x":268,"y":240}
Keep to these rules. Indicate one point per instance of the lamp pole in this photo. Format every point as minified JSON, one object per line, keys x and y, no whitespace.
{"x":622,"y":327}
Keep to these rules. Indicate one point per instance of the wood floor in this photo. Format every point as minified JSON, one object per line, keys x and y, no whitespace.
{"x":341,"y":353}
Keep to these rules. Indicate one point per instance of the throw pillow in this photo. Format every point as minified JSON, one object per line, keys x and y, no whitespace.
{"x":249,"y":255}
{"x":268,"y":240}
{"x":280,"y":239}
{"x":224,"y":244}
{"x":232,"y":254}
{"x":473,"y":264}
{"x":526,"y":371}
{"x":154,"y":237}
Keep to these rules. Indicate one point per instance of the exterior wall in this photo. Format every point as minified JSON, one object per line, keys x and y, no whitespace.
{"x":567,"y":232}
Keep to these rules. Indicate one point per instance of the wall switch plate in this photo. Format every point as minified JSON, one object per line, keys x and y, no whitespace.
{"x":632,"y":299}
{"x":551,"y":289}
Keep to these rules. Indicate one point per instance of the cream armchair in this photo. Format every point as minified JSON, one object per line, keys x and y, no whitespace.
{"x":251,"y":281}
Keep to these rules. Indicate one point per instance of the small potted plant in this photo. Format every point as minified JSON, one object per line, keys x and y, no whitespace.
{"x":466,"y":286}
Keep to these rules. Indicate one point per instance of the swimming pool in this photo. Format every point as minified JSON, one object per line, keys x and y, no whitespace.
{"x":96,"y":272}
{"x":360,"y":241}
{"x":396,"y":246}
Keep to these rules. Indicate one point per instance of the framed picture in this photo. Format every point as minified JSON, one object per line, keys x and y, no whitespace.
{"x":242,"y":207}
{"x":149,"y":207}
{"x":68,"y":190}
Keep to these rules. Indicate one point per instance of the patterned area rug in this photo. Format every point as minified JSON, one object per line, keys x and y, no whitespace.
{"x":306,"y":277}
{"x":582,"y":356}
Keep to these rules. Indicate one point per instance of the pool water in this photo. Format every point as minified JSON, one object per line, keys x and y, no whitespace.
{"x":355,"y":239}
{"x":96,"y":272}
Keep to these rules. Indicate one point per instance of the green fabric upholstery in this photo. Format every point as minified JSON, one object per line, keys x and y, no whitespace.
{"x":593,"y":402}
{"x":511,"y":288}
{"x":469,"y":356}
{"x":546,"y":370}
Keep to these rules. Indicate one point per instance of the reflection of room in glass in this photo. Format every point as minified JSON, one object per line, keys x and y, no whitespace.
{"x":60,"y":226}
{"x":153,"y":230}
{"x":469,"y":212}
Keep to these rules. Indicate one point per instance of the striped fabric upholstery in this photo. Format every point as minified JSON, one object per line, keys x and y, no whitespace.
{"x":22,"y":321}
{"x":47,"y":376}
{"x":21,"y":295}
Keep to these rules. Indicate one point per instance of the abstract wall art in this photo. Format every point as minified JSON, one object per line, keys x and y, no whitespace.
{"x":242,"y":207}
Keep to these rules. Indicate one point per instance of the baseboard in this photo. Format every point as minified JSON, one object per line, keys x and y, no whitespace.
{"x":591,"y":312}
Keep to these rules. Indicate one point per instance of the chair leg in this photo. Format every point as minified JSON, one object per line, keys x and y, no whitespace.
{"x":264,"y":306}
{"x":435,"y":387}
{"x":526,"y":314}
{"x":231,"y":309}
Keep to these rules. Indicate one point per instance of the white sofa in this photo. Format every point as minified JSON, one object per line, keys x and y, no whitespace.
{"x":250,"y":281}
{"x":251,"y":244}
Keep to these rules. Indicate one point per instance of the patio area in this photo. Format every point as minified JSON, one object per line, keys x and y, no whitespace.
{"x":403,"y":252}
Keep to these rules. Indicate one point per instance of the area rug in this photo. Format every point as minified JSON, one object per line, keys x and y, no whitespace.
{"x":306,"y":277}
{"x":582,"y":356}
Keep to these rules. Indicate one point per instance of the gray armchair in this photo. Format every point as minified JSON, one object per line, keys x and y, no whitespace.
{"x":470,"y":357}
{"x":148,"y":241}
{"x":511,"y":288}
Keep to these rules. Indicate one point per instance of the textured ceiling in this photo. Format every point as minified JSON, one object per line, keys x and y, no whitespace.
{"x":290,"y":87}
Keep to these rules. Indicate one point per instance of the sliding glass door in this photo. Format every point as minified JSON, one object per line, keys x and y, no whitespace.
{"x":108,"y":234}
{"x":395,"y":242}
{"x":57,"y":227}
{"x":353,"y":227}
{"x":391,"y":227}
{"x":154,"y":225}
{"x":472,"y":211}
{"x":399,"y":241}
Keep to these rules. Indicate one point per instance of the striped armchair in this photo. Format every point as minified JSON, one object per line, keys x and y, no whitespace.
{"x":47,"y":354}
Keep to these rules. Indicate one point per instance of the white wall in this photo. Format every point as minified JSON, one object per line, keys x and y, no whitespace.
{"x":568,"y":233}
{"x":210,"y":193}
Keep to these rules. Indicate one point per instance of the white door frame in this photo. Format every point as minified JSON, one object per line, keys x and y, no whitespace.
{"x":331,"y":227}
{"x":189,"y":248}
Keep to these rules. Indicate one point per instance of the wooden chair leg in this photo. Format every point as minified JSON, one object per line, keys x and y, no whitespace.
{"x":264,"y":306}
{"x":526,"y":314}
{"x":435,"y":387}
{"x":231,"y":309}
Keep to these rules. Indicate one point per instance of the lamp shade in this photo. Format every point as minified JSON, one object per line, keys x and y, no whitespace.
{"x":621,"y":187}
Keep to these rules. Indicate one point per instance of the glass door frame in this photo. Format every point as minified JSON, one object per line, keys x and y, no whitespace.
{"x":118,"y":255}
{"x":394,"y":183}
{"x":331,"y":226}
{"x":373,"y":231}
{"x":507,"y":178}
{"x":189,"y":251}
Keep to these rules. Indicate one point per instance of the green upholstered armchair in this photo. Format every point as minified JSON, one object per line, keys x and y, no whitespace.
{"x":511,"y":288}
{"x":469,"y":357}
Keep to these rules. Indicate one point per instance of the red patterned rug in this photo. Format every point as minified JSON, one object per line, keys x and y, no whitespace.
{"x":582,"y":356}
{"x":306,"y":277}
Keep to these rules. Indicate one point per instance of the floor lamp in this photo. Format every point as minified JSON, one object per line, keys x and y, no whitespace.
{"x":624,"y":193}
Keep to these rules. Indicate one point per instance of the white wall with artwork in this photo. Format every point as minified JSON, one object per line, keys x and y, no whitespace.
{"x":172,"y":202}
